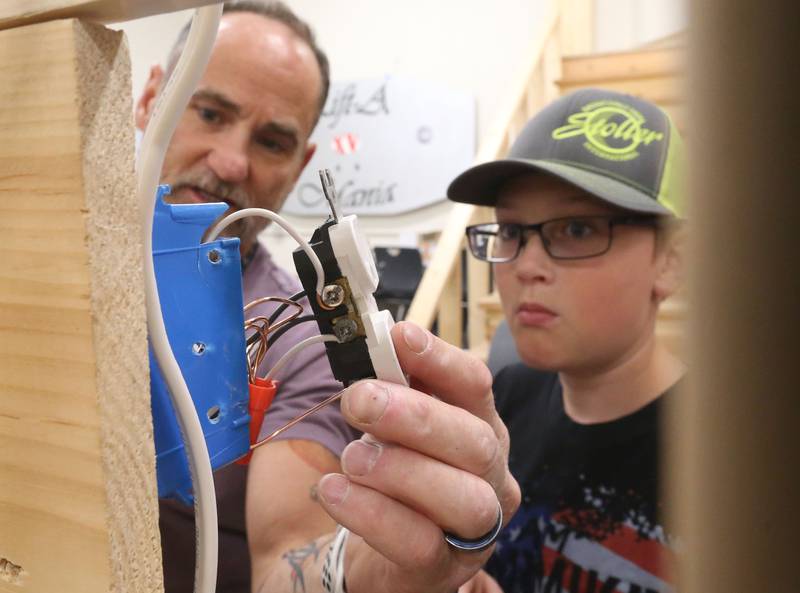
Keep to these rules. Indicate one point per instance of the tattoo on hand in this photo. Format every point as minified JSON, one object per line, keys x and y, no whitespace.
{"x":296,"y":559}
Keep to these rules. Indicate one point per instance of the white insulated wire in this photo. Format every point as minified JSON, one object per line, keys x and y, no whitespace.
{"x":281,"y":222}
{"x":169,"y":108}
{"x":302,"y":344}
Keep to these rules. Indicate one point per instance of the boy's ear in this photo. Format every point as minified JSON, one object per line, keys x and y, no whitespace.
{"x":147,"y":101}
{"x":670,"y":262}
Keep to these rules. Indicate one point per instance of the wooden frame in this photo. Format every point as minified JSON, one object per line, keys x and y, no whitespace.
{"x":734,"y":433}
{"x":78,"y":502}
{"x":15,"y":13}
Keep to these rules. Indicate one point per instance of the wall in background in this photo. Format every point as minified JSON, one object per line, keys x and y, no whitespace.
{"x":468,"y":45}
{"x":625,"y":24}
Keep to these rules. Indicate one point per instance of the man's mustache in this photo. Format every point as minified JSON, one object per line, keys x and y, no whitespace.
{"x":210,"y":184}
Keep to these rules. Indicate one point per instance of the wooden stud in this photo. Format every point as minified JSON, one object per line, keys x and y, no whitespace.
{"x":478,"y":286}
{"x":660,"y":90}
{"x":623,"y":65}
{"x":16,"y":13}
{"x":451,"y":312}
{"x":78,"y":502}
{"x":735,"y":432}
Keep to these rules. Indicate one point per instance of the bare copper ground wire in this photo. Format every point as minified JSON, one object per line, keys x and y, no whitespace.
{"x":336,"y":396}
{"x":285,"y":320}
{"x":261,"y":349}
{"x":263,"y":327}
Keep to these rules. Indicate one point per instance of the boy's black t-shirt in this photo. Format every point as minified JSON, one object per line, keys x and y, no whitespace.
{"x":591,"y":514}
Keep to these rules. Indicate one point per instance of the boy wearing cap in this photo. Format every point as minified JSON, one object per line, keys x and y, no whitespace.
{"x":584,"y":250}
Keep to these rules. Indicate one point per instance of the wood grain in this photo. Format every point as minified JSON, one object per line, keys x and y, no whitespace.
{"x":15,"y":13}
{"x":734,"y":432}
{"x":78,"y":508}
{"x":644,"y":63}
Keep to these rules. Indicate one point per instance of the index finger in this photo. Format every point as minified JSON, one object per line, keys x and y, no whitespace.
{"x":460,"y":379}
{"x":451,"y":374}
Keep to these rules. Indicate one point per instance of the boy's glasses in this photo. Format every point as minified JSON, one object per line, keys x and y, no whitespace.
{"x":571,"y":237}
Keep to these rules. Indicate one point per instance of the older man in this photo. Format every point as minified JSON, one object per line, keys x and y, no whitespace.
{"x":244,"y":140}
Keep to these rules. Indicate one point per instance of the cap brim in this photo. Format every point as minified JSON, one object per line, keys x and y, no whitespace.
{"x":481,"y":184}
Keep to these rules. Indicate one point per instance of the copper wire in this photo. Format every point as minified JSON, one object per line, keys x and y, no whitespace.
{"x":263,"y":327}
{"x":336,"y":396}
{"x":271,"y":299}
{"x":260,"y":347}
{"x":282,"y":322}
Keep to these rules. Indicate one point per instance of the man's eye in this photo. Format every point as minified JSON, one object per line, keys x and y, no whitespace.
{"x":272,"y":145}
{"x":208,"y":115}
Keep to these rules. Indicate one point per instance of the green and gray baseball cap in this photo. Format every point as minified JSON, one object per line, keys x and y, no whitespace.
{"x":619,"y":148}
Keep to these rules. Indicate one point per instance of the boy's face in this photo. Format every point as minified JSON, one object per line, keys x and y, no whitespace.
{"x":582,"y":315}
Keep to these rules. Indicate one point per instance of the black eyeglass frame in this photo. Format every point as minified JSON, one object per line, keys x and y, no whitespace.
{"x":526,"y":230}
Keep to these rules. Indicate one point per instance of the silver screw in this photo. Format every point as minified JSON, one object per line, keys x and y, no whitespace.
{"x":333,"y":295}
{"x":345,"y":330}
{"x":198,"y":348}
{"x":214,"y":256}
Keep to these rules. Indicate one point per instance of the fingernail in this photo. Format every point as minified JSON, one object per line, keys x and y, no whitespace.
{"x":334,"y":488}
{"x":359,"y":458}
{"x":366,"y":402}
{"x":416,"y":338}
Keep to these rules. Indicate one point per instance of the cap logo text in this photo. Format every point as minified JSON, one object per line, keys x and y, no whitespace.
{"x":613,"y":130}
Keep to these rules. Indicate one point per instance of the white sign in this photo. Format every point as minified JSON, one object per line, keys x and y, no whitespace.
{"x":391,"y":144}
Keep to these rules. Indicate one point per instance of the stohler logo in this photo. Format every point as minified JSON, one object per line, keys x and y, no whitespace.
{"x":613,"y":130}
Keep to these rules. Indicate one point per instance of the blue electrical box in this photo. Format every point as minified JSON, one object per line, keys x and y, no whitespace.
{"x":200,"y":288}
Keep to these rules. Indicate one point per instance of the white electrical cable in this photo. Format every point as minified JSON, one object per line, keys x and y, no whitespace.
{"x":169,"y":108}
{"x":283,"y":360}
{"x":281,"y":222}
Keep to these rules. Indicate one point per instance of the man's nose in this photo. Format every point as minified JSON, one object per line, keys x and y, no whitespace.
{"x":228,"y":158}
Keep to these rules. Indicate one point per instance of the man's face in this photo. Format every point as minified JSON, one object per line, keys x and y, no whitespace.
{"x":582,"y":315}
{"x":243,"y":139}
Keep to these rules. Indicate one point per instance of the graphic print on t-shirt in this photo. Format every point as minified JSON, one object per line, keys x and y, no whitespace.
{"x":590,"y":520}
{"x":583,"y":549}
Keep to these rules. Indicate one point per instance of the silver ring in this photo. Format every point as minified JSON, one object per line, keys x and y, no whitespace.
{"x":478,"y":544}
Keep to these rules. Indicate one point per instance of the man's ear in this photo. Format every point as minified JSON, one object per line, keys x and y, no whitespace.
{"x":670,"y":262}
{"x":147,"y":101}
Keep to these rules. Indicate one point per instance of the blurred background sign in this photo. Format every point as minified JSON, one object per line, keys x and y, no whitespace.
{"x":393,"y":144}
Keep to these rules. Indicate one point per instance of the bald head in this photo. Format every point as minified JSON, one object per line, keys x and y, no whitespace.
{"x":277,"y":11}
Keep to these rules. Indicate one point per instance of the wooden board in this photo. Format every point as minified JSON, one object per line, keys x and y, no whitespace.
{"x":14,"y":13}
{"x":622,"y":65}
{"x":662,"y":90}
{"x":451,"y":312}
{"x":78,"y":505}
{"x":734,"y":432}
